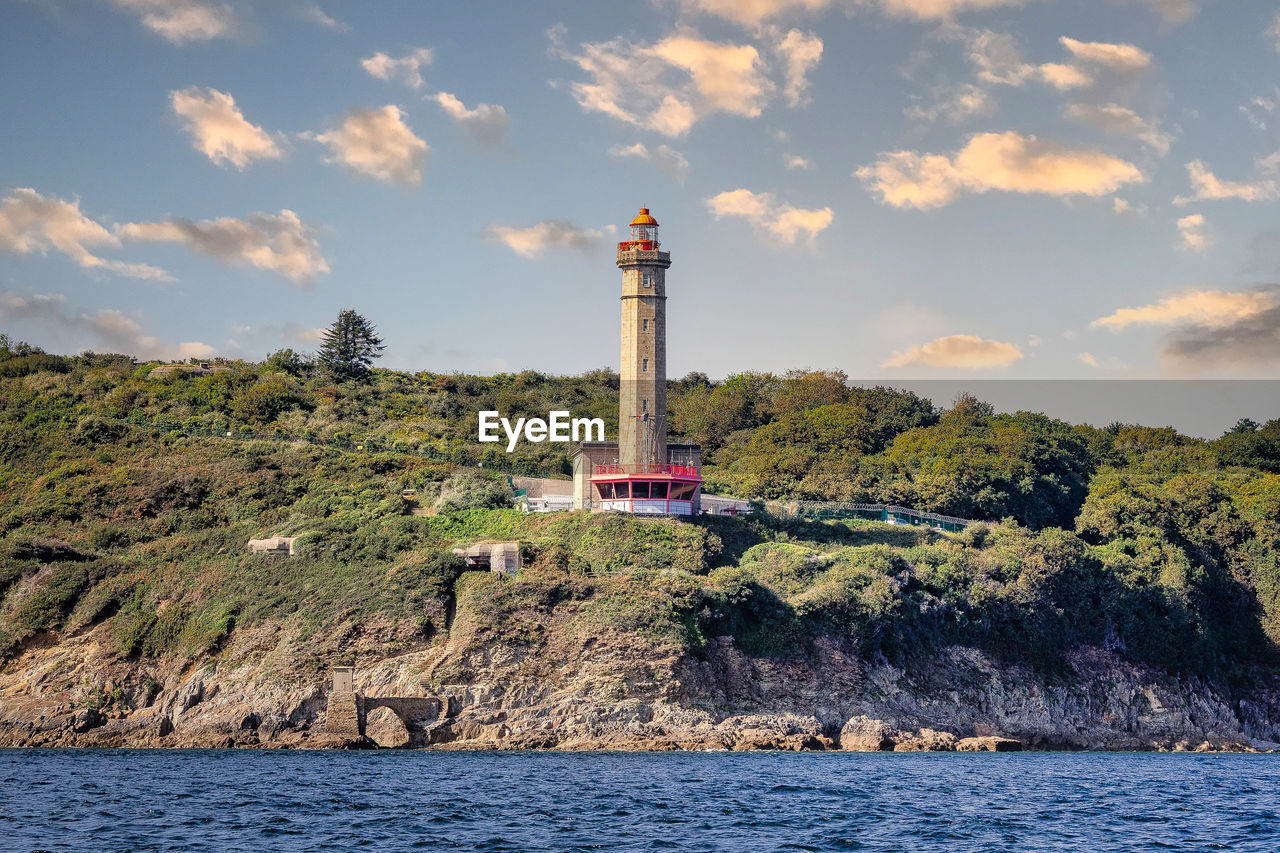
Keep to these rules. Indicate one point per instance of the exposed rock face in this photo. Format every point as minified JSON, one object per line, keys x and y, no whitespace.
{"x":570,"y":691}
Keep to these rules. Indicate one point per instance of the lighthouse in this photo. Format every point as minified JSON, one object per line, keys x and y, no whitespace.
{"x":642,"y":391}
{"x":642,"y":472}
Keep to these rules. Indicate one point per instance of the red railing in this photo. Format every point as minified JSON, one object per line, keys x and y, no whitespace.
{"x":622,"y":470}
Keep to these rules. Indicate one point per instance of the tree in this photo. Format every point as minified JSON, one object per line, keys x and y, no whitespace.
{"x":288,"y":361}
{"x":349,"y":347}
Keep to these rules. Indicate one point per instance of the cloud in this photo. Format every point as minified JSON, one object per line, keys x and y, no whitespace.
{"x":752,"y":13}
{"x":1207,"y":186}
{"x":801,"y":53}
{"x":313,"y":13}
{"x":16,"y":306}
{"x":1193,"y":233}
{"x":664,"y":157}
{"x":407,"y":69}
{"x":1063,"y":77}
{"x":795,"y":161}
{"x":219,"y":130}
{"x":1212,"y":327}
{"x":108,"y":329}
{"x":954,"y":106}
{"x":555,"y":234}
{"x":487,"y":122}
{"x":376,"y":142}
{"x":1210,"y":308}
{"x":939,"y":9}
{"x":1250,"y":342}
{"x":281,"y":244}
{"x":668,"y":86}
{"x":1273,"y":32}
{"x":181,"y":21}
{"x":1125,"y":208}
{"x":1174,"y":11}
{"x":968,"y":352}
{"x":1121,"y":121}
{"x":762,"y":210}
{"x":30,"y":222}
{"x":1118,"y":57}
{"x":995,"y":161}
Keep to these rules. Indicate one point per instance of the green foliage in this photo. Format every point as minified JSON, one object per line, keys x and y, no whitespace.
{"x":125,"y":508}
{"x":470,"y":489}
{"x":349,"y":347}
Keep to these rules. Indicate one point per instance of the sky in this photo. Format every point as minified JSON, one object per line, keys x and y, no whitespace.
{"x":899,"y":189}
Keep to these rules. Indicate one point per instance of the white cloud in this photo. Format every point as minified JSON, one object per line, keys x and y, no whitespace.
{"x":795,"y":161}
{"x":954,"y":106}
{"x":752,"y":12}
{"x":786,"y":223}
{"x":219,"y":130}
{"x":376,"y":142}
{"x":1063,"y":77}
{"x":1215,"y":308}
{"x":1193,"y":233}
{"x":107,"y":329}
{"x":995,"y":161}
{"x":16,"y":306}
{"x":555,"y":234}
{"x":1273,"y":32}
{"x":313,"y":13}
{"x":281,"y":244}
{"x":1174,"y":11}
{"x":939,"y":9}
{"x":486,"y":122}
{"x":180,"y":21}
{"x":407,"y":68}
{"x":1122,"y":121}
{"x":998,"y":61}
{"x":668,"y":86}
{"x":801,"y":53}
{"x":967,"y":352}
{"x":1126,"y":208}
{"x":30,"y":222}
{"x":1207,"y":186}
{"x":664,"y":157}
{"x":1118,"y":57}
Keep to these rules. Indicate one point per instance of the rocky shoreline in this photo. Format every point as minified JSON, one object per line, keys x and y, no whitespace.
{"x":611,"y":695}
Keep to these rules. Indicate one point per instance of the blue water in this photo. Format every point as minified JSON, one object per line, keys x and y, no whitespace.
{"x":108,"y":800}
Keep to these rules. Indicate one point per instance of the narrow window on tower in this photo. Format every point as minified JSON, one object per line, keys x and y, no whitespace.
{"x":645,"y":368}
{"x":644,"y":405}
{"x":645,"y":327}
{"x":648,"y":279}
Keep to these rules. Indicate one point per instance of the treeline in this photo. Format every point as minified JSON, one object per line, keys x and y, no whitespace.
{"x":1155,"y":545}
{"x":809,"y":435}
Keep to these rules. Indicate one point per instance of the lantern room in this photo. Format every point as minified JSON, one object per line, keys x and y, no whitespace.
{"x":644,"y":232}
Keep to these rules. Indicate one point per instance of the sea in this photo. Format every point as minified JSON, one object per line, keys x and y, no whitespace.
{"x":242,"y":800}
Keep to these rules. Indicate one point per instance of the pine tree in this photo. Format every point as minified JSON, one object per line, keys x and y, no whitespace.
{"x":349,"y":347}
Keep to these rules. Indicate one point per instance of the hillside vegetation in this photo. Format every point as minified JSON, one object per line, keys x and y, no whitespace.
{"x":126,"y":502}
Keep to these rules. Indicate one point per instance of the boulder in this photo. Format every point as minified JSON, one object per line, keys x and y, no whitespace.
{"x":862,"y":734}
{"x":990,"y":743}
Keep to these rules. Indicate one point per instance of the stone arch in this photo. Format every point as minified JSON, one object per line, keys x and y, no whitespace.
{"x":413,"y":714}
{"x":386,"y":728}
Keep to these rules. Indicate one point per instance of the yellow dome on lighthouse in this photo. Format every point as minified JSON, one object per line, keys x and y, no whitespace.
{"x":643,"y":218}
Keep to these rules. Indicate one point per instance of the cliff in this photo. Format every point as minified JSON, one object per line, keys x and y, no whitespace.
{"x":539,"y":676}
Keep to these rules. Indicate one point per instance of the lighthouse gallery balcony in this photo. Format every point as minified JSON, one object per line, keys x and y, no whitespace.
{"x":642,"y":252}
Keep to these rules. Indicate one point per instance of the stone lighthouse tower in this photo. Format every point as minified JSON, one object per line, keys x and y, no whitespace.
{"x":641,"y":472}
{"x":642,"y":405}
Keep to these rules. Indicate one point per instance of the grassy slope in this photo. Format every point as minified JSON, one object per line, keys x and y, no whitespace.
{"x":1174,"y":560}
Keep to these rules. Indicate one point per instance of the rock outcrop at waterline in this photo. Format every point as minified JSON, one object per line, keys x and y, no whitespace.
{"x":599,"y":692}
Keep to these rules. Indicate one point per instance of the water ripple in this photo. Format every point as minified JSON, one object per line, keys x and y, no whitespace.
{"x":195,"y":800}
